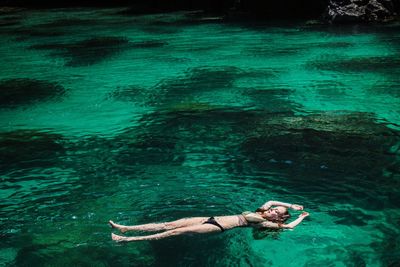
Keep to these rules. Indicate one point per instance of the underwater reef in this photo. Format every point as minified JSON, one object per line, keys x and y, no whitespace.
{"x":24,"y":91}
{"x":94,"y":50}
{"x":86,"y":52}
{"x":27,"y":148}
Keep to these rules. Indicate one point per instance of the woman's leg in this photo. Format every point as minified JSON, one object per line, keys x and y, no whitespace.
{"x":196,"y":229}
{"x":159,"y":226}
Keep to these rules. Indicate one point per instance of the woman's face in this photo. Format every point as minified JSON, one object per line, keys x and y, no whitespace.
{"x":274,"y":213}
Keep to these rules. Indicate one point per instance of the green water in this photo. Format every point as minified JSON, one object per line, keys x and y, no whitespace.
{"x":153,"y":118}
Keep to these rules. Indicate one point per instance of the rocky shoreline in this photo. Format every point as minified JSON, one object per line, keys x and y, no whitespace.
{"x":347,"y":11}
{"x":327,"y":11}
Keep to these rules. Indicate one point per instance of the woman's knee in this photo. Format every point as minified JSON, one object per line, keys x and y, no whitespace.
{"x":169,"y":225}
{"x":174,"y":224}
{"x":198,"y":229}
{"x":178,"y":231}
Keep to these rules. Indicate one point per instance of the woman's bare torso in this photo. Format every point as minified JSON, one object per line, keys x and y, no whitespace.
{"x":232,"y":221}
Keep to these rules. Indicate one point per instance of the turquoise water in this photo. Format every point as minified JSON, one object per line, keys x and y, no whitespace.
{"x":153,"y":118}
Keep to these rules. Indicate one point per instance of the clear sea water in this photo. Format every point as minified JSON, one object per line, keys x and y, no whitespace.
{"x":152,"y":118}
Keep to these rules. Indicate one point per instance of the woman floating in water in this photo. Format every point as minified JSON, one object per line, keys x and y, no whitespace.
{"x":264,"y":217}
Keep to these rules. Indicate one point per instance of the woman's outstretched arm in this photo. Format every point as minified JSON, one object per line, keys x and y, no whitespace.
{"x":271,"y":203}
{"x":296,"y":222}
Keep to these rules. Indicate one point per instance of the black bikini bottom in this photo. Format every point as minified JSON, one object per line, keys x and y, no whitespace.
{"x":212,"y":221}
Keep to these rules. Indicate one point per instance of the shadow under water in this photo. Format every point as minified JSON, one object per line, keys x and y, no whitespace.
{"x":19,"y":92}
{"x":24,"y":148}
{"x":86,"y":52}
{"x":331,"y":150}
{"x":377,"y":64}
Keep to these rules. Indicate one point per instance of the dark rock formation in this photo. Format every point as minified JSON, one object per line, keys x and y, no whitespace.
{"x":271,"y":100}
{"x":87,"y":52}
{"x":345,"y":143}
{"x":200,"y":79}
{"x":336,"y":11}
{"x":29,"y":148}
{"x":375,"y":64}
{"x":147,"y":149}
{"x":27,"y":33}
{"x":16,"y":92}
{"x":148,"y":44}
{"x":347,"y":155}
{"x":347,"y":11}
{"x":166,"y":137}
{"x":68,"y":22}
{"x":94,"y":50}
{"x":9,"y":21}
{"x":351,"y":217}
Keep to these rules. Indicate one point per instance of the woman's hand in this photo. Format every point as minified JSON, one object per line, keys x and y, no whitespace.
{"x":296,"y":207}
{"x":304,"y":214}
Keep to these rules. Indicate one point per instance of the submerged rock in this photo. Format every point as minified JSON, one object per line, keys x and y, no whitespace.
{"x":178,"y":90}
{"x":346,"y":11}
{"x":378,"y":64}
{"x":347,"y":143}
{"x":195,"y":81}
{"x":326,"y":157}
{"x":167,"y":138}
{"x":148,"y":44}
{"x":146,"y":148}
{"x":94,"y":50}
{"x":67,"y":22}
{"x":203,"y":78}
{"x":351,"y":217}
{"x":91,"y":51}
{"x":6,"y":21}
{"x":272,"y":100}
{"x":28,"y":148}
{"x":25,"y":33}
{"x":389,"y":87}
{"x":23,"y":91}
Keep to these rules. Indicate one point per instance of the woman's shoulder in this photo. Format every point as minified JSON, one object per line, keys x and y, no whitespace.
{"x":252,"y":217}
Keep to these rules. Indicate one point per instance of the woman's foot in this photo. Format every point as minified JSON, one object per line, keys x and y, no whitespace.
{"x":118,"y":238}
{"x":121,"y":228}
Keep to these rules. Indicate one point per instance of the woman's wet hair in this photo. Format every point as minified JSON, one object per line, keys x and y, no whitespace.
{"x":282,"y":217}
